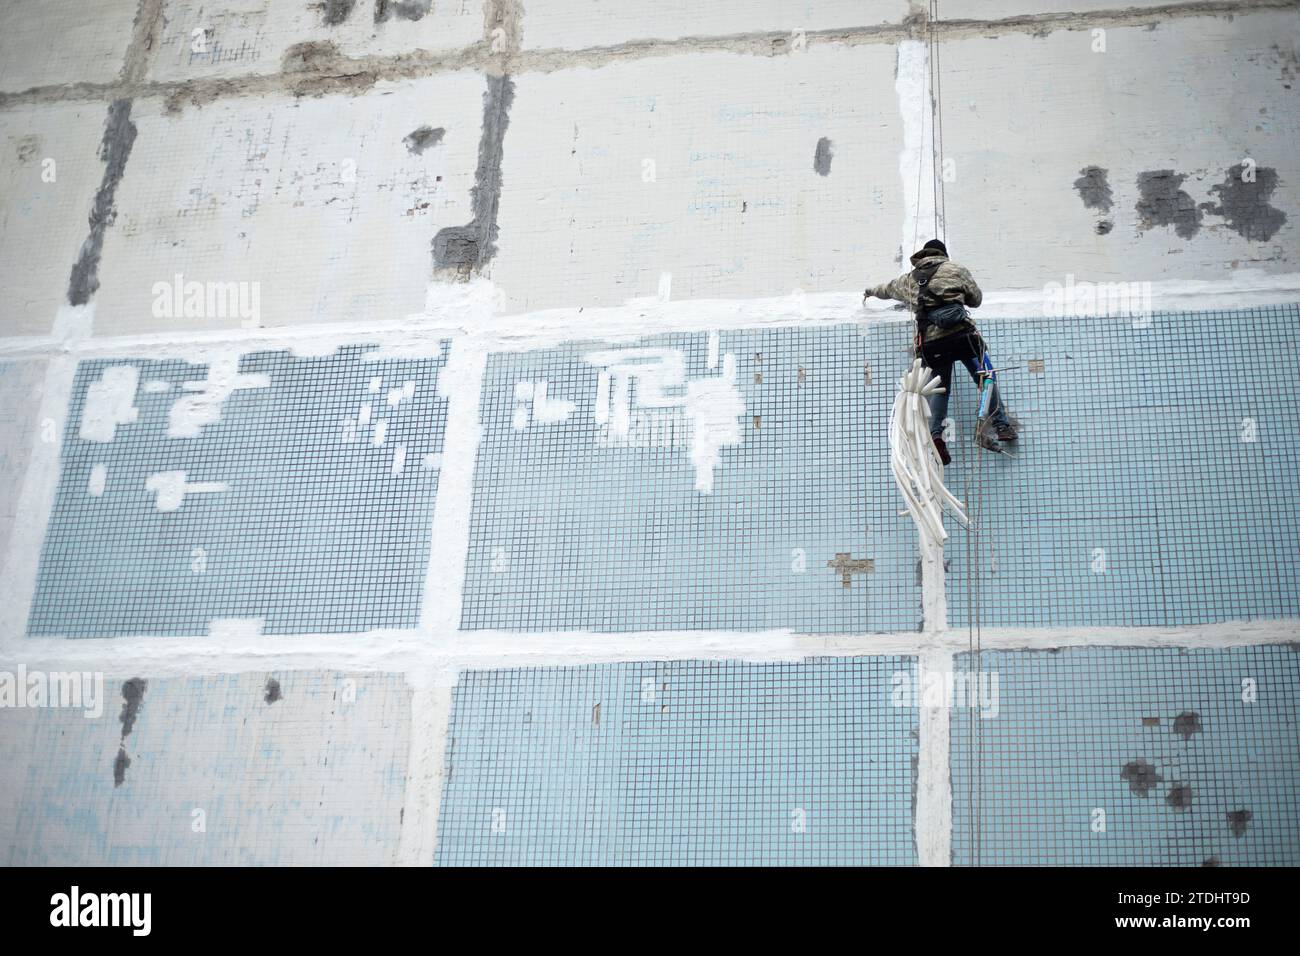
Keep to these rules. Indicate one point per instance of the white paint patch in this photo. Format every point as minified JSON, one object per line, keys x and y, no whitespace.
{"x":363,"y":414}
{"x":380,"y":432}
{"x":715,"y":340}
{"x":202,"y":406}
{"x":98,"y":479}
{"x":170,"y":488}
{"x":374,"y":385}
{"x":74,"y":323}
{"x":431,"y":461}
{"x":550,"y":411}
{"x":714,"y":407}
{"x":236,"y":628}
{"x":154,"y":386}
{"x":601,"y":412}
{"x":110,"y":401}
{"x":710,"y":406}
{"x":399,"y":459}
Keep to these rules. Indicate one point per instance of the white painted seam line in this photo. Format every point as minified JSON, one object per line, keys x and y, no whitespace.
{"x":524,"y":331}
{"x":460,"y":382}
{"x":933,"y":777}
{"x":934,"y":586}
{"x":411,"y":651}
{"x":35,"y":502}
{"x":914,"y":165}
{"x":430,"y":718}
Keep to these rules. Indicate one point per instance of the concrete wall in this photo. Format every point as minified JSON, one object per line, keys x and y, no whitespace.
{"x":512,"y":355}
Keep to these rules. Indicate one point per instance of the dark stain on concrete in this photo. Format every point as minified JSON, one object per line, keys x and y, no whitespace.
{"x":273,"y":691}
{"x":1104,"y":227}
{"x":823,"y":156}
{"x":1140,"y":776}
{"x":133,"y":695}
{"x":114,"y":149}
{"x":1245,"y":205}
{"x":417,"y":141}
{"x":1094,"y":188}
{"x":1187,"y":723}
{"x":1179,"y":797}
{"x":1238,"y":821}
{"x":473,"y":246}
{"x":334,"y":12}
{"x":28,"y":146}
{"x":402,"y":9}
{"x":1163,"y":202}
{"x":120,"y":764}
{"x":317,"y":68}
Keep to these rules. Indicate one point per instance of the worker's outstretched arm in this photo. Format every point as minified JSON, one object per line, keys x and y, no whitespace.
{"x":903,"y":289}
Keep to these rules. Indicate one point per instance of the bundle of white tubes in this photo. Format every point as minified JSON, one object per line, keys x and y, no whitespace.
{"x":914,"y":459}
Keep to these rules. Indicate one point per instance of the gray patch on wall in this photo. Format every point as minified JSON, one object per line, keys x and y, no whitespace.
{"x":417,"y":141}
{"x":28,"y":147}
{"x":1094,"y":188}
{"x":1179,"y":797}
{"x":1187,"y":723}
{"x":317,"y":68}
{"x":120,"y":763}
{"x":1162,"y":202}
{"x":403,"y":9}
{"x":822,"y":158}
{"x":1140,"y":776}
{"x":119,"y":137}
{"x":474,"y":245}
{"x":272,"y":691}
{"x":1245,"y":204}
{"x":1238,"y":821}
{"x":133,"y":696}
{"x":335,"y":12}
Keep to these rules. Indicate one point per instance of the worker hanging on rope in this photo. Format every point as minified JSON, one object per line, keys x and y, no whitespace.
{"x":938,"y":291}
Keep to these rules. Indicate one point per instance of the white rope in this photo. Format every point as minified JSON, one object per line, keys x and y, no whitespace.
{"x":914,"y":459}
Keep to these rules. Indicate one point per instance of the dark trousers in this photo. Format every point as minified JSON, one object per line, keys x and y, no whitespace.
{"x":939,"y":356}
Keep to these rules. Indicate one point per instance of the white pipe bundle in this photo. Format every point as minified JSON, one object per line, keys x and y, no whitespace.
{"x":913,"y":457}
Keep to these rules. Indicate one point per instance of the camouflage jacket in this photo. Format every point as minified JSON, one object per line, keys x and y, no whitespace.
{"x":950,"y":283}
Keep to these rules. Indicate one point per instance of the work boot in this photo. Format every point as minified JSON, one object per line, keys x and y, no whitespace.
{"x":942,"y":449}
{"x":1007,"y":433}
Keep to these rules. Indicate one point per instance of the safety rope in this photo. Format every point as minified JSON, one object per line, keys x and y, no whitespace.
{"x":974,"y":594}
{"x":974,"y":496}
{"x":939,"y":198}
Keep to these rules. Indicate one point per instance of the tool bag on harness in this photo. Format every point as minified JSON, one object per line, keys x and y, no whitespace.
{"x":943,"y":315}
